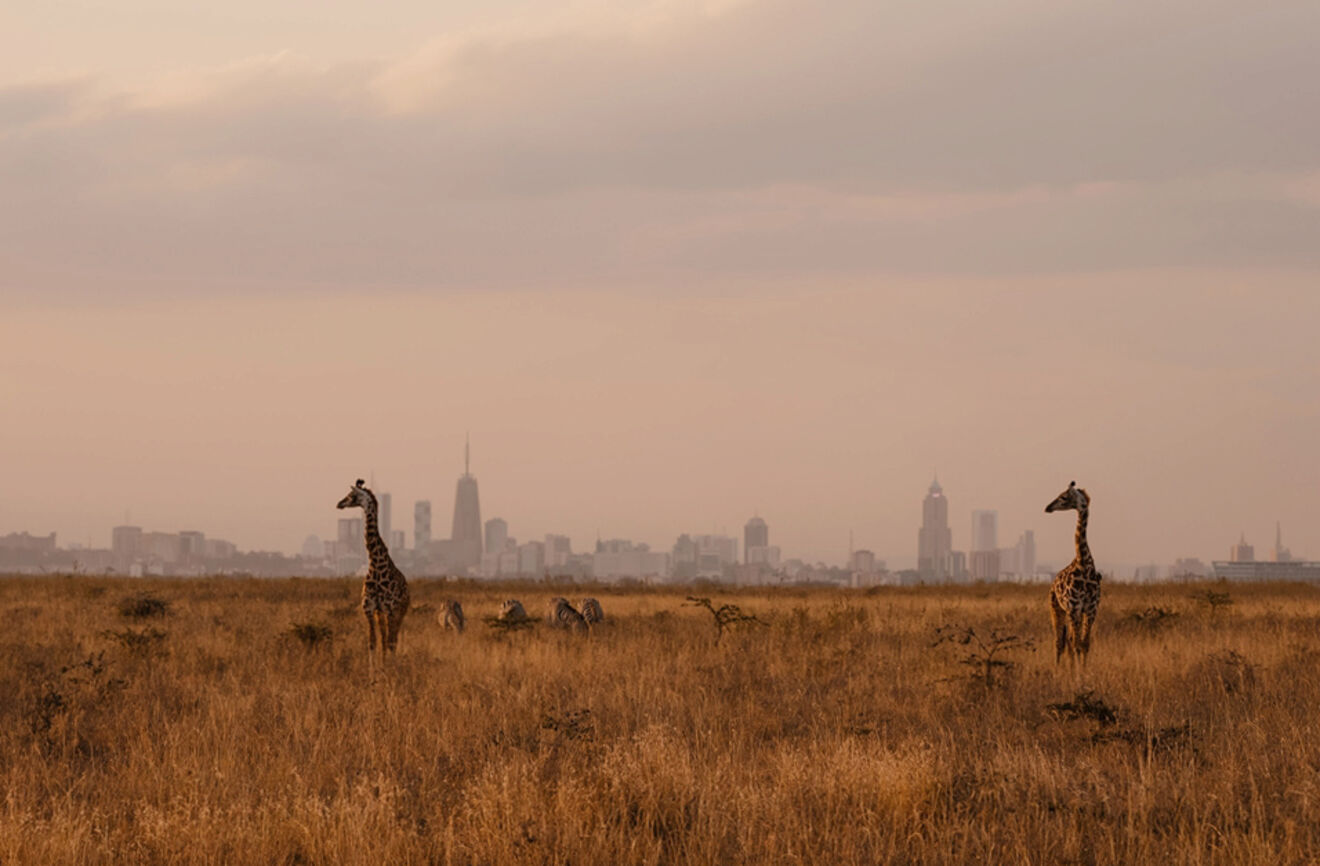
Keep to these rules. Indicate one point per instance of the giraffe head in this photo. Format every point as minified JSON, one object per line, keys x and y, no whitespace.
{"x":1072,"y":499}
{"x":358,"y":497}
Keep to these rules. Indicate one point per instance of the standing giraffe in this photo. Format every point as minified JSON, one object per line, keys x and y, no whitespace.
{"x":1075,"y":593}
{"x":385,"y":590}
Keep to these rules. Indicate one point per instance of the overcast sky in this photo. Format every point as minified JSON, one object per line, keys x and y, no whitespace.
{"x":670,"y":262}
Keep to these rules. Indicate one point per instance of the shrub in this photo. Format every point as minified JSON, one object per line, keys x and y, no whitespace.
{"x":311,"y":634}
{"x":143,"y":606}
{"x":135,"y":641}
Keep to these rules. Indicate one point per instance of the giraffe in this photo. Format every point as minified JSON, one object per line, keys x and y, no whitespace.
{"x":385,"y":589}
{"x":1075,"y":593}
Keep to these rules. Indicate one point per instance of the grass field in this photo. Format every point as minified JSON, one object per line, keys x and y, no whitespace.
{"x":840,"y":731}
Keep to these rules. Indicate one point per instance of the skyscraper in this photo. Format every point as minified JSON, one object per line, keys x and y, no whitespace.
{"x":755,"y":534}
{"x":497,"y":533}
{"x":421,"y":525}
{"x":935,"y":539}
{"x":985,"y":545}
{"x":1242,"y":552}
{"x":466,"y":535}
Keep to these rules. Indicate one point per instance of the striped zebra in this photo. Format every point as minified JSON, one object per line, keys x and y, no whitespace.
{"x":513,"y":611}
{"x":562,"y":615}
{"x":591,"y":611}
{"x":451,"y":616}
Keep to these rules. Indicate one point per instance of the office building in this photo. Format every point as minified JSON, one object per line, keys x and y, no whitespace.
{"x":755,"y":534}
{"x":497,"y":535}
{"x":935,"y":538}
{"x":1242,"y":552}
{"x":422,"y":525}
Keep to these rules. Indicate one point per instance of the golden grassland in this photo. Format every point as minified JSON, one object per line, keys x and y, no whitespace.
{"x":839,"y":732}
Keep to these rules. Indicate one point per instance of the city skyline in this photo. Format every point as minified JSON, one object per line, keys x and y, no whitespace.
{"x":961,"y":565}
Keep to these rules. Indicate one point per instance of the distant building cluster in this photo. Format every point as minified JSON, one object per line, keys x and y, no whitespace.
{"x":133,"y":551}
{"x":487,"y":550}
{"x":985,"y":560}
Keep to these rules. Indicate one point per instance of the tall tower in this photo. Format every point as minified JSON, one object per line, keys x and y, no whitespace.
{"x":421,"y":525}
{"x":466,"y":534}
{"x":755,"y":534}
{"x":935,"y":539}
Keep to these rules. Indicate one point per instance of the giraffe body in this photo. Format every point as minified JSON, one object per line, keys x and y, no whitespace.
{"x":385,"y":597}
{"x":1075,"y":592}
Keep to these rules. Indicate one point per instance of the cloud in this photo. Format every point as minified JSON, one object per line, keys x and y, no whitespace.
{"x":733,"y":139}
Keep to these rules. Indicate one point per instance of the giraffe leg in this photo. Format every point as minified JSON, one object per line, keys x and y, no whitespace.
{"x":1076,"y":637}
{"x":371,"y":632}
{"x":1084,"y":637}
{"x":1060,"y":621}
{"x":394,"y":622}
{"x":383,"y":623}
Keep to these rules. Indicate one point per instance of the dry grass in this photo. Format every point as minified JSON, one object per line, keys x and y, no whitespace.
{"x":840,"y":733}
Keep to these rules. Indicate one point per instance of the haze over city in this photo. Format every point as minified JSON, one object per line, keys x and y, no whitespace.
{"x":671,"y":264}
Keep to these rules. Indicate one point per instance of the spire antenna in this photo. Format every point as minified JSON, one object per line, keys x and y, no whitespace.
{"x":467,"y":453}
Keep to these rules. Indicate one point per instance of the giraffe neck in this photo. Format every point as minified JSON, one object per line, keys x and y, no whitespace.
{"x":1083,"y":549}
{"x":377,"y":552}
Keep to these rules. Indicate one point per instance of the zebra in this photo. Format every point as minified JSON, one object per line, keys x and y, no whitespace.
{"x":451,"y":616}
{"x":591,"y":611}
{"x":562,"y":615}
{"x":513,"y":611}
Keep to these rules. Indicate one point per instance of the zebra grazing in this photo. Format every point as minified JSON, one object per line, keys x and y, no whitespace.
{"x":451,"y":616}
{"x":562,"y":615}
{"x":591,"y":611}
{"x":512,"y":611}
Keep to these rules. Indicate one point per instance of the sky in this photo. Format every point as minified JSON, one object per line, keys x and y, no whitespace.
{"x":670,"y":263}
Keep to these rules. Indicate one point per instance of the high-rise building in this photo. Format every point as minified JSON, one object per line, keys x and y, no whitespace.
{"x":497,"y":534}
{"x":703,"y":555}
{"x":465,"y":537}
{"x":192,"y":544}
{"x":558,"y":549}
{"x":935,"y":539}
{"x":1027,"y":554}
{"x":126,"y":541}
{"x":531,"y":558}
{"x":755,"y":534}
{"x":421,"y":525}
{"x":383,"y":518}
{"x":1281,"y":553}
{"x":397,"y":541}
{"x":351,"y":539}
{"x":985,"y":530}
{"x":1242,"y":552}
{"x":984,"y":555}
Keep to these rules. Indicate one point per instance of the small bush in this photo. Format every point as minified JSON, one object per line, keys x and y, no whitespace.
{"x":1152,"y":618}
{"x":143,"y":606}
{"x":725,"y":616}
{"x":1084,"y":705}
{"x":508,"y":626}
{"x":135,"y":641}
{"x":983,"y":653}
{"x":311,"y":634}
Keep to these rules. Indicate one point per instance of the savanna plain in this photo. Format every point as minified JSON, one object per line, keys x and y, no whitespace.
{"x":228,"y":721}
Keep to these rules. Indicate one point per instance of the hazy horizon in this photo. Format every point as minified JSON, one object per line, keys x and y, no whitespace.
{"x":670,"y":263}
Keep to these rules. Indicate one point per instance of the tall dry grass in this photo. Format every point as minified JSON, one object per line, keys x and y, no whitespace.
{"x":211,"y":732}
